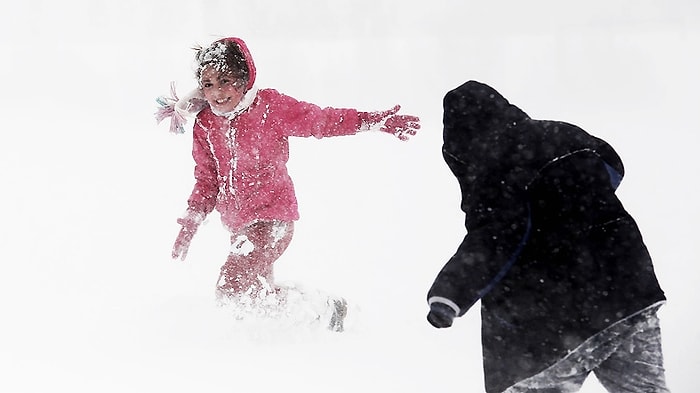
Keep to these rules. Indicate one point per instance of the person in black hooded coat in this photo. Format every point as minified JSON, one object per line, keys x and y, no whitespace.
{"x":565,"y":281}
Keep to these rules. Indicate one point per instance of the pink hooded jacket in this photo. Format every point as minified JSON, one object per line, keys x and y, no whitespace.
{"x":241,"y":159}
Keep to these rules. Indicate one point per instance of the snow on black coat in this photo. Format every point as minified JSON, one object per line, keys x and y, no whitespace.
{"x":550,"y":251}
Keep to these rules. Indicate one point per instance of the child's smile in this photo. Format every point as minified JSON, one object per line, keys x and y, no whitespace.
{"x":222,"y":91}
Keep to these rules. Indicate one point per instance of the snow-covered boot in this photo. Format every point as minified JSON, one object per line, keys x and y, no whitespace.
{"x":340,"y":310}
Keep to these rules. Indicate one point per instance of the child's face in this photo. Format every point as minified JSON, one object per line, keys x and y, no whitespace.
{"x":221,"y":90}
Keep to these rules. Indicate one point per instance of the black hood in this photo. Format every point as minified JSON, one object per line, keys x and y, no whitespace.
{"x":474,"y":111}
{"x":485,"y":134}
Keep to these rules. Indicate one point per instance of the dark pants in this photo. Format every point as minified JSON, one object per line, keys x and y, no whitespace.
{"x":626,"y":358}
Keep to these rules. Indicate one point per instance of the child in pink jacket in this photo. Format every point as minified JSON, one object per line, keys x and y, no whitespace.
{"x":241,"y":150}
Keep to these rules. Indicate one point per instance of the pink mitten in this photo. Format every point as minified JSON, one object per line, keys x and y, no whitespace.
{"x":402,"y":126}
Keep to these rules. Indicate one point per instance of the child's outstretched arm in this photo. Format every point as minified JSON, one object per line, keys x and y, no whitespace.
{"x":402,"y":126}
{"x":303,"y":119}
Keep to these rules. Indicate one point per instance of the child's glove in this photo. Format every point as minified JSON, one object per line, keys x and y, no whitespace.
{"x":402,"y":126}
{"x":190,"y":224}
{"x":441,"y":315}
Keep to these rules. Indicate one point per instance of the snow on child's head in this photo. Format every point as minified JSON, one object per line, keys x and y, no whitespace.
{"x":228,"y":57}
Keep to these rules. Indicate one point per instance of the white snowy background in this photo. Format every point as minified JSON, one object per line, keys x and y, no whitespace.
{"x":90,"y":300}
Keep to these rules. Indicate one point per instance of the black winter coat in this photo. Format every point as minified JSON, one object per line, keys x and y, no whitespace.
{"x":550,"y":251}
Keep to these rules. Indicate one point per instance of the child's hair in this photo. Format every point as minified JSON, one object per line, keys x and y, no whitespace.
{"x":226,"y":57}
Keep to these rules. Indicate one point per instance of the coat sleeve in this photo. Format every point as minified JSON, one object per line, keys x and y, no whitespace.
{"x":498,"y":226}
{"x":203,"y":196}
{"x":303,"y":119}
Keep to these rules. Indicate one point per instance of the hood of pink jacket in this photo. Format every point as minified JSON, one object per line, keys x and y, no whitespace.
{"x":248,"y":58}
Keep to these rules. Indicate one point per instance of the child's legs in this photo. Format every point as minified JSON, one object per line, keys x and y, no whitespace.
{"x":254,"y":249}
{"x":625,"y":358}
{"x":637,"y":364}
{"x":567,"y":376}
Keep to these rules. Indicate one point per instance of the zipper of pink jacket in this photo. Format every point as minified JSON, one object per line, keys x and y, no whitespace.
{"x":228,"y":179}
{"x":231,"y":143}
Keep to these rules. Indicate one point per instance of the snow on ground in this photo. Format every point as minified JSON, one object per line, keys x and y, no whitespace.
{"x":89,"y":296}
